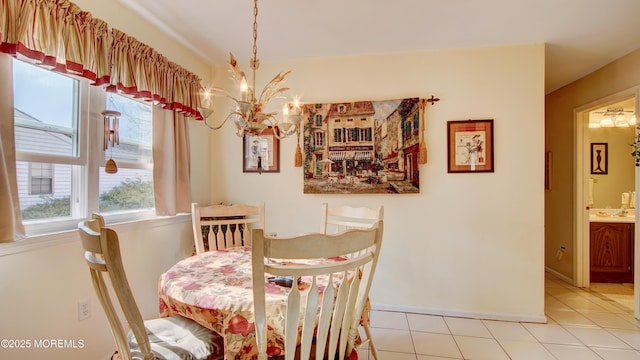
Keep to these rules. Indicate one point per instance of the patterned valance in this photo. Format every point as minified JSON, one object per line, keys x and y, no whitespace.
{"x":61,"y":36}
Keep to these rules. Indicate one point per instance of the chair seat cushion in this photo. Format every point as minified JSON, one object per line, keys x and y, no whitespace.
{"x":177,"y":337}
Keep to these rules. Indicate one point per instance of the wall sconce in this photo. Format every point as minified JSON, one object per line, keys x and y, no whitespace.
{"x":111,"y":137}
{"x":614,"y":117}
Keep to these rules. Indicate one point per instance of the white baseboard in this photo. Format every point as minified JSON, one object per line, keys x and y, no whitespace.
{"x":561,"y":276}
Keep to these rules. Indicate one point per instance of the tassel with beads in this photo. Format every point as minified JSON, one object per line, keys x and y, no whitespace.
{"x":297,"y":162}
{"x":422,"y":159}
{"x":422,"y":155}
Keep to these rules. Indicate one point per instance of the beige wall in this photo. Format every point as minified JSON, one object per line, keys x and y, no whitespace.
{"x":560,"y":215}
{"x":468,"y":244}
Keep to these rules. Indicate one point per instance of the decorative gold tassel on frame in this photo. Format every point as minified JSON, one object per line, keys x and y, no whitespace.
{"x":422,"y":158}
{"x":297,"y":162}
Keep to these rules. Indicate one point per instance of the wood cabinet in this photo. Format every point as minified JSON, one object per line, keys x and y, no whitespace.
{"x":611,"y":252}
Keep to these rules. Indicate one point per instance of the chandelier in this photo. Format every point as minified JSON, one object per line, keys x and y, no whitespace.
{"x":248,"y":112}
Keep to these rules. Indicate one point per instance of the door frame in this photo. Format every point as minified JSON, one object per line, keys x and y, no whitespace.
{"x":582,"y":158}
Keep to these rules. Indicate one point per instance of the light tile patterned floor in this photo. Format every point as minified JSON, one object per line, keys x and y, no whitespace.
{"x":582,"y":325}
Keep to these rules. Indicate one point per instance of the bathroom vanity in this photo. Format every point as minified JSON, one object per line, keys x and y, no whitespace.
{"x":611,"y":247}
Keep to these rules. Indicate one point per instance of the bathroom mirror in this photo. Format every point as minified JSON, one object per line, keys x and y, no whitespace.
{"x":606,"y":188}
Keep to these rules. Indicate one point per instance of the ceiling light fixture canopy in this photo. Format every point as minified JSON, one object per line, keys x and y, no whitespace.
{"x":249,"y":113}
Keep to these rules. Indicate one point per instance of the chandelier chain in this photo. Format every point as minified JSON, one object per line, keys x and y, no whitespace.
{"x":254,"y":62}
{"x":249,"y":113}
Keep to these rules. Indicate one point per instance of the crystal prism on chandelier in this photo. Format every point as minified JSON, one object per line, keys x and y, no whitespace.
{"x":248,"y":112}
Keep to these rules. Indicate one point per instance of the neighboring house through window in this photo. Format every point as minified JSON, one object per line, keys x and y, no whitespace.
{"x":40,"y":178}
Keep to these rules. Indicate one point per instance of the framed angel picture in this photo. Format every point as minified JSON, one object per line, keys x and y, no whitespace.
{"x":261,"y":153}
{"x":470,"y":146}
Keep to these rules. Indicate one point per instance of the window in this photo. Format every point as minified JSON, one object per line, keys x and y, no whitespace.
{"x":40,"y":179}
{"x":407,"y":130}
{"x":365,"y":134}
{"x":338,"y":136}
{"x":319,"y":138}
{"x":352,"y":134}
{"x":46,"y":116}
{"x":60,"y":155}
{"x":318,"y":120}
{"x":131,"y":188}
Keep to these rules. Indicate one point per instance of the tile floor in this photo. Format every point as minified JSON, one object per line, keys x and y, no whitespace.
{"x":582,"y":325}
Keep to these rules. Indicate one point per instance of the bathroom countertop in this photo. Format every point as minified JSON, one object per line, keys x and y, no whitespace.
{"x":612,"y":219}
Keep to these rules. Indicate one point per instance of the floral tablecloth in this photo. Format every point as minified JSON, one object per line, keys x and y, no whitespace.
{"x":215,"y":290}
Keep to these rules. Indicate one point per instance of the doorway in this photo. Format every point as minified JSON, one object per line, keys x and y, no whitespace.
{"x":602,"y":191}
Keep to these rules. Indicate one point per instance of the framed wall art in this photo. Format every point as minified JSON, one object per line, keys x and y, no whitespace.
{"x":362,"y":147}
{"x":599,"y":158}
{"x":469,"y":146}
{"x":261,"y":153}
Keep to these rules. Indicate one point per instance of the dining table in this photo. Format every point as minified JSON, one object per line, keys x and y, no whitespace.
{"x":215,"y":290}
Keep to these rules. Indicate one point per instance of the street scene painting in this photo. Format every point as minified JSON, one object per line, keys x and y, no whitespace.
{"x":362,"y":147}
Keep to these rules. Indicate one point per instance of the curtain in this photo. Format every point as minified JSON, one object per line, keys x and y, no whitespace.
{"x":61,"y":36}
{"x":11,"y":221}
{"x":58,"y":34}
{"x":172,"y":163}
{"x":140,"y":71}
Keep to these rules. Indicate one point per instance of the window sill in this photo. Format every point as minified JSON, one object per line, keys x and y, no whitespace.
{"x":62,"y":237}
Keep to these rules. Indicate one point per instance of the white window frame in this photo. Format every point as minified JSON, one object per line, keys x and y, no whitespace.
{"x":91,"y":101}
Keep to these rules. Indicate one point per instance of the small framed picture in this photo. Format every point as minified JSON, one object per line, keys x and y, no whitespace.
{"x":261,"y":153}
{"x":470,"y":146}
{"x":599,"y":158}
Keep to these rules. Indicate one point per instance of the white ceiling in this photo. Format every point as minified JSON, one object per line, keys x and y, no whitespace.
{"x":581,"y":35}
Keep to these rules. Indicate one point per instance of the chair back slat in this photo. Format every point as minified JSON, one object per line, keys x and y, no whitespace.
{"x":326,"y":311}
{"x":219,"y":227}
{"x":291,"y":319}
{"x":332,"y":288}
{"x":309,"y":322}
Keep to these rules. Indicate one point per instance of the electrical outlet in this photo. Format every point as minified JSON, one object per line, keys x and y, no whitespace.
{"x":84,"y":309}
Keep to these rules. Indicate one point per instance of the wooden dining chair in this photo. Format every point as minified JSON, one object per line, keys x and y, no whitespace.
{"x":335,"y":219}
{"x":339,"y":218}
{"x":326,"y":299}
{"x":173,"y":337}
{"x":217,"y":227}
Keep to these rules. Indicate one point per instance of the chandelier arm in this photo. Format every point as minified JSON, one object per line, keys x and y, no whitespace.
{"x":281,"y":133}
{"x":217,"y":127}
{"x":286,"y":133}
